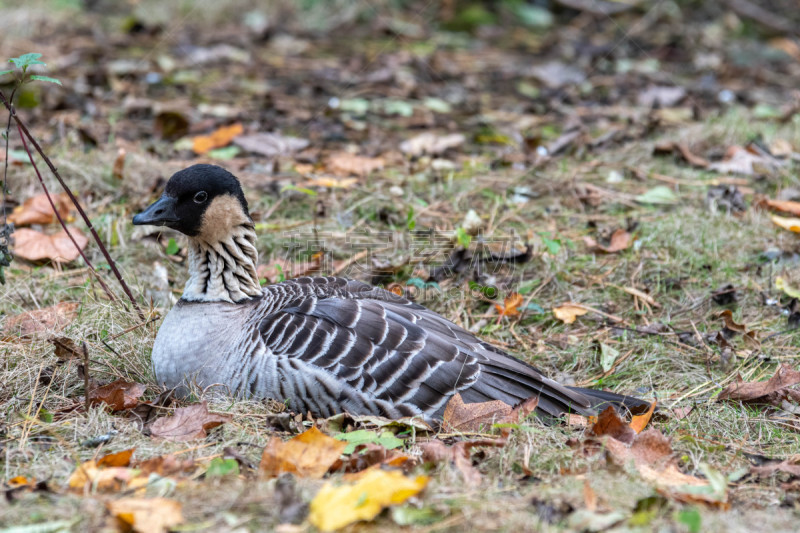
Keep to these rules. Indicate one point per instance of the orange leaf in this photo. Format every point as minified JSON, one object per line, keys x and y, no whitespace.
{"x":118,"y":395}
{"x":122,"y":458}
{"x":146,"y":515}
{"x":620,"y":240}
{"x":346,"y":164}
{"x":789,"y":223}
{"x":309,"y":454}
{"x":34,"y":245}
{"x":639,"y":422}
{"x":510,"y":304}
{"x":785,"y":206}
{"x":217,"y":139}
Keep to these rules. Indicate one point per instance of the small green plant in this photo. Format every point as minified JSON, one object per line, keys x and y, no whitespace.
{"x":22,"y":64}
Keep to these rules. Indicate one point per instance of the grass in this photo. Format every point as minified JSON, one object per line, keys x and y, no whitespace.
{"x":684,"y":253}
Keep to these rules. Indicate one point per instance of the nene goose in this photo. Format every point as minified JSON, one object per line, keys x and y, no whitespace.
{"x":322,"y":344}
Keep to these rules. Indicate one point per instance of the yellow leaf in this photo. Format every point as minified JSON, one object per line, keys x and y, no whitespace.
{"x":567,"y":313}
{"x":783,"y":285}
{"x":147,"y":515}
{"x":336,"y":507}
{"x":792,"y":224}
{"x":103,"y":479}
{"x":333,"y":183}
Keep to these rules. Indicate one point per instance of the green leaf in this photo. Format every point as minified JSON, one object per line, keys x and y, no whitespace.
{"x":26,"y":60}
{"x":398,"y":107}
{"x":386,"y":439}
{"x":553,"y":245}
{"x":46,"y":78}
{"x":607,"y":357}
{"x":410,"y":222}
{"x":463,"y":237}
{"x":437,"y":105}
{"x":356,"y":106}
{"x":691,"y":519}
{"x":413,"y":516}
{"x":534,"y":16}
{"x":229,"y":152}
{"x":45,"y":415}
{"x":172,"y":247}
{"x":222,"y":467}
{"x":659,"y":195}
{"x":298,"y":189}
{"x":4,"y":72}
{"x":281,"y":275}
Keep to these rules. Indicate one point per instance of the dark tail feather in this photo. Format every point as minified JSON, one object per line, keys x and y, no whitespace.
{"x":602,"y":399}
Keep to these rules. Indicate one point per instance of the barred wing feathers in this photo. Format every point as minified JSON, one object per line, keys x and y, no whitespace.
{"x":345,"y":345}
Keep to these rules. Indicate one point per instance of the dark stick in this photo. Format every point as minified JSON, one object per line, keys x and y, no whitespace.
{"x":61,"y":220}
{"x":74,"y":200}
{"x":86,"y":377}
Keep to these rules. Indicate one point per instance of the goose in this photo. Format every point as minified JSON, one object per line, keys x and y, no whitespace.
{"x":323,"y":345}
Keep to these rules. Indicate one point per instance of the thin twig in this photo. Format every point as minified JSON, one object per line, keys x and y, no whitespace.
{"x":75,"y":202}
{"x":61,"y":220}
{"x":86,"y":377}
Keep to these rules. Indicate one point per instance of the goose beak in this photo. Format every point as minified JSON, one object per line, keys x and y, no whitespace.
{"x":159,"y":213}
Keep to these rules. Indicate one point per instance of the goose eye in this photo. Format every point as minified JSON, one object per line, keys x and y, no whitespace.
{"x":200,"y":197}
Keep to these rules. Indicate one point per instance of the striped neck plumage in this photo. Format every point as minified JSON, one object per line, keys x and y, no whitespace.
{"x":223,"y":270}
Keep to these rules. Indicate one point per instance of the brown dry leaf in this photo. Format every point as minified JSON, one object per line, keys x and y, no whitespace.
{"x":217,"y":139}
{"x":473,"y":417}
{"x":187,"y":423}
{"x":66,"y":349}
{"x":33,"y":245}
{"x":765,"y":391}
{"x":347,"y":164}
{"x":146,"y":515}
{"x":787,"y":223}
{"x":767,"y":470}
{"x":45,"y":320}
{"x":727,"y":317}
{"x":436,"y":451}
{"x":370,"y":454}
{"x":740,"y":160}
{"x":620,"y":240}
{"x":639,"y":422}
{"x":510,"y":305}
{"x":122,"y":458}
{"x":568,"y":313}
{"x":118,"y":170}
{"x":684,"y":151}
{"x":784,"y":206}
{"x":110,"y":479}
{"x":118,"y":395}
{"x":37,"y":210}
{"x":310,"y":454}
{"x":609,"y":423}
{"x":270,"y":144}
{"x":165,"y":465}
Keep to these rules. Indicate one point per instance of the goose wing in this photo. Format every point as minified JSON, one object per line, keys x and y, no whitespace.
{"x":385,"y":354}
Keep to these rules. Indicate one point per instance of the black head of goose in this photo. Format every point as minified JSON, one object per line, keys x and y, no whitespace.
{"x":324,"y":345}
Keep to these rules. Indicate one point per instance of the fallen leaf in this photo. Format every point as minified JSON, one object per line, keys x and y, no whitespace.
{"x":608,"y":356}
{"x":775,"y":467}
{"x":218,"y":139}
{"x":784,"y":206}
{"x":784,"y":286}
{"x":164,"y":465}
{"x":37,"y":210}
{"x":784,"y":377}
{"x":510,"y":305}
{"x":430,"y":143}
{"x":66,"y":349}
{"x":609,"y":423}
{"x":33,"y":245}
{"x":187,"y":423}
{"x":122,"y":458}
{"x":147,"y":515}
{"x":620,"y":240}
{"x":473,"y":417}
{"x":658,"y":195}
{"x":369,"y":454}
{"x":568,"y":313}
{"x":335,"y":507}
{"x":89,"y":475}
{"x":684,"y":151}
{"x":118,"y":395}
{"x":333,"y":183}
{"x":45,"y":320}
{"x":791,"y":224}
{"x":659,"y":97}
{"x":270,"y":144}
{"x":740,"y":160}
{"x":309,"y":454}
{"x":347,"y":164}
{"x":639,"y":422}
{"x":459,"y":454}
